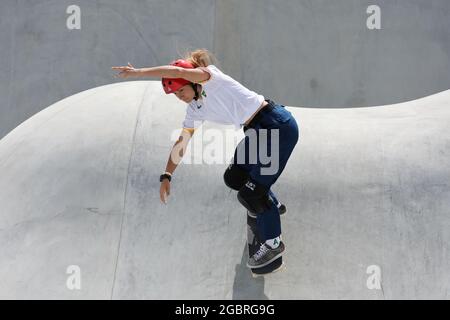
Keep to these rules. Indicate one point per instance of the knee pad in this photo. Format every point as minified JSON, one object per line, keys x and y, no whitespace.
{"x":235,"y":177}
{"x":254,"y":197}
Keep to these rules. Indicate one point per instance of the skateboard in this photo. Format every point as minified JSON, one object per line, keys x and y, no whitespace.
{"x":254,"y":242}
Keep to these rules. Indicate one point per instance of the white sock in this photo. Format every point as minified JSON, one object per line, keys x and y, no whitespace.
{"x":273,"y":243}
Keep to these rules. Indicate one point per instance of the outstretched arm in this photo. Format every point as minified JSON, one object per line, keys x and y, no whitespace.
{"x":193,"y":75}
{"x":175,"y":157}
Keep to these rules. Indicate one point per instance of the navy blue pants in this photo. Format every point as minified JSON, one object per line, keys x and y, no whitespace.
{"x":276,"y":133}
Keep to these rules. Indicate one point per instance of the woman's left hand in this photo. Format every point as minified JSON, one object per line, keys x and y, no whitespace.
{"x":126,"y":71}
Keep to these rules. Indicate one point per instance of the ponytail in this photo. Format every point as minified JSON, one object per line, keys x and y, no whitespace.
{"x":200,"y":58}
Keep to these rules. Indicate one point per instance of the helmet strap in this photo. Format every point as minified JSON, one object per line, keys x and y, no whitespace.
{"x":194,"y":86}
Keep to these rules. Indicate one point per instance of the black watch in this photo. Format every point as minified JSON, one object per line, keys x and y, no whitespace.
{"x":165,"y":176}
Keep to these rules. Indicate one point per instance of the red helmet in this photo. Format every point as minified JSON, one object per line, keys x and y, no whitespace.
{"x":171,"y":85}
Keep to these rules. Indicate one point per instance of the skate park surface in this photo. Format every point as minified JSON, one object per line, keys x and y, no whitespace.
{"x":365,"y":188}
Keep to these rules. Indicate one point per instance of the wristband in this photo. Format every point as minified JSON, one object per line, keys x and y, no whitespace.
{"x":165,"y":176}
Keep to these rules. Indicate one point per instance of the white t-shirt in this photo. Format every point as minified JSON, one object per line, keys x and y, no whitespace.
{"x":223,"y":100}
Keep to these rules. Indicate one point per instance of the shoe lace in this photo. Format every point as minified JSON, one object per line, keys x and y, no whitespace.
{"x":261,"y":252}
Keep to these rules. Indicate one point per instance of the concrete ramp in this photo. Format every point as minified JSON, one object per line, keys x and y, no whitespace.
{"x":367,"y":192}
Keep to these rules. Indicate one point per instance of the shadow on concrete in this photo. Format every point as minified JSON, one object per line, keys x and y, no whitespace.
{"x":245,"y":286}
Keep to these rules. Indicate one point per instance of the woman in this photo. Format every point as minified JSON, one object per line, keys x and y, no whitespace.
{"x":214,"y":96}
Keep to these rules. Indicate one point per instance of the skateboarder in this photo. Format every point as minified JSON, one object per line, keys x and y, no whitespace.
{"x":215,"y":96}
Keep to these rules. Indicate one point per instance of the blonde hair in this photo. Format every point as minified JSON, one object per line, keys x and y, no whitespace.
{"x":200,"y":58}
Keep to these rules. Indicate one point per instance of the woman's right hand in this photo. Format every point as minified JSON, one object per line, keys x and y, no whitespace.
{"x":164,"y":190}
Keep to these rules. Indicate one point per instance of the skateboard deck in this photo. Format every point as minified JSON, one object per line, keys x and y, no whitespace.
{"x":254,"y":242}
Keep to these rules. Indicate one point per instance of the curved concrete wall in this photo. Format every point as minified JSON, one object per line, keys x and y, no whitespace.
{"x":309,"y":53}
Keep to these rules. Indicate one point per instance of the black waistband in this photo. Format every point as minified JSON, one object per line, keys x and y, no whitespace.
{"x":268,"y":108}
